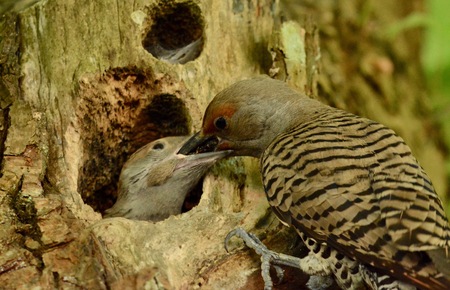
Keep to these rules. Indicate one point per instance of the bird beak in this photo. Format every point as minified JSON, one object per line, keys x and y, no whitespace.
{"x":205,"y":159}
{"x":200,"y":150}
{"x":199,"y":143}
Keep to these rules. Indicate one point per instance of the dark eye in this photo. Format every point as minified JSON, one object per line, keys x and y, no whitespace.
{"x":220,"y":123}
{"x":158,"y":146}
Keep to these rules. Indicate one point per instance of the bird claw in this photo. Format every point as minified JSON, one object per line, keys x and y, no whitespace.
{"x":268,"y":257}
{"x":250,"y":240}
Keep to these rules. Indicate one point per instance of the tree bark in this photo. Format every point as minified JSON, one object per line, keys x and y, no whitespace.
{"x":86,"y":83}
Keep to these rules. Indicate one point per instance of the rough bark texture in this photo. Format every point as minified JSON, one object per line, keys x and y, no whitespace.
{"x":81,"y":90}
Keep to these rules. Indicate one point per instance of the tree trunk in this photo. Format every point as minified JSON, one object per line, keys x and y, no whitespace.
{"x":86,"y":83}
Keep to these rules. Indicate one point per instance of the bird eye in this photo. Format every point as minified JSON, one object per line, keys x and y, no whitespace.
{"x":220,"y":123}
{"x":158,"y":146}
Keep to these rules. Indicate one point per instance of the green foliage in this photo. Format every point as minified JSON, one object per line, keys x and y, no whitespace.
{"x":436,"y":62}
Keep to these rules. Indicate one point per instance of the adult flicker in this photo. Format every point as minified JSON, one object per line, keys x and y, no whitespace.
{"x":348,"y":185}
{"x":155,"y":180}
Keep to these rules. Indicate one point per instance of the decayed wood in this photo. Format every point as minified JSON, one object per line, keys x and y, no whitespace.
{"x":81,"y":91}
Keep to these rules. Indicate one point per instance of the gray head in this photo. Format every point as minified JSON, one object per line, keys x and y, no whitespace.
{"x":154,"y":182}
{"x":249,"y":114}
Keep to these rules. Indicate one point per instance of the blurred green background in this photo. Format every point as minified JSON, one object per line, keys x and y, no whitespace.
{"x":436,"y":62}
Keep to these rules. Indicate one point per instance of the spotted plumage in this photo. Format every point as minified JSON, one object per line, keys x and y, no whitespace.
{"x":349,"y":186}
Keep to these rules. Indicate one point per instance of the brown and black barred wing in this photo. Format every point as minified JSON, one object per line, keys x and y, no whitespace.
{"x":353,"y":183}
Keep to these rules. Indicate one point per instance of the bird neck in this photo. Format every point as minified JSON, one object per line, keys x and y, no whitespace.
{"x":302,"y":110}
{"x":288,"y":113}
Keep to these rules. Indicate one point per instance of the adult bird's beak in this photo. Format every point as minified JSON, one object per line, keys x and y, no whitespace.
{"x":198,"y":141}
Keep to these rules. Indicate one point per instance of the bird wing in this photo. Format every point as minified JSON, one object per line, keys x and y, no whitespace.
{"x":413,"y":213}
{"x":354,"y":184}
{"x":317,"y":180}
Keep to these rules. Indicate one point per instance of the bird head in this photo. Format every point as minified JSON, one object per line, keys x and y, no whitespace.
{"x":155,"y":180}
{"x":159,"y":163}
{"x":247,"y":116}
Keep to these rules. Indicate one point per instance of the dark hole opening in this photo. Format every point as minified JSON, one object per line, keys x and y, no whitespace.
{"x":176,"y":33}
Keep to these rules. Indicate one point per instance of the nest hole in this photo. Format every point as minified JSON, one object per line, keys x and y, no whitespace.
{"x":193,"y":197}
{"x":176,"y":32}
{"x":118,"y":113}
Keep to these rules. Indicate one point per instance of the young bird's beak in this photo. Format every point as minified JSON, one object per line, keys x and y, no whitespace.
{"x":200,"y":159}
{"x":200,"y":150}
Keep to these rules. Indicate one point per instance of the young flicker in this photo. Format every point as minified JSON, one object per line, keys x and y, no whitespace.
{"x":348,"y":185}
{"x":154,"y":182}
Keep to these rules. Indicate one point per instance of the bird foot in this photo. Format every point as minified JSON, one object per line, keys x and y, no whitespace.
{"x":268,"y":257}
